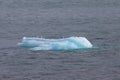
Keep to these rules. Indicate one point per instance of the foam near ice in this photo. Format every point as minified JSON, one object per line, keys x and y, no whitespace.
{"x":55,"y":44}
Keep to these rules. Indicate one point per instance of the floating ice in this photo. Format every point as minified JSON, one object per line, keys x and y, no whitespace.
{"x":70,"y":43}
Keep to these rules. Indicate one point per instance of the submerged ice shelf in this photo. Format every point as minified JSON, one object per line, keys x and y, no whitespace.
{"x":70,"y":43}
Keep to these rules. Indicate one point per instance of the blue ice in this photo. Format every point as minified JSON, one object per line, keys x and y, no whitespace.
{"x":70,"y":43}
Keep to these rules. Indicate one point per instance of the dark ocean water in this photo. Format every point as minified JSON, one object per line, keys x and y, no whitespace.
{"x":98,"y":20}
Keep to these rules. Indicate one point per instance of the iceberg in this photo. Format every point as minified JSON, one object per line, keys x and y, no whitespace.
{"x":70,"y":43}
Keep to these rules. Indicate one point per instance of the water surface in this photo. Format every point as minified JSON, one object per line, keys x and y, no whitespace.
{"x":97,"y":20}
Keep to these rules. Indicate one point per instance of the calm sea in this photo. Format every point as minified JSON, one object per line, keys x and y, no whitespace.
{"x":97,"y":20}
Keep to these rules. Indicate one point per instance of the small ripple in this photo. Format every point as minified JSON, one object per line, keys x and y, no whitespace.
{"x":9,"y":48}
{"x":99,"y":38}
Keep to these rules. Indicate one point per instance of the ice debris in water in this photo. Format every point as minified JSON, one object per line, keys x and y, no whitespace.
{"x":70,"y":43}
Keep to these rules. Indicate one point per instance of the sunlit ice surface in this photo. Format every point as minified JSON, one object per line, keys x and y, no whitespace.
{"x":71,"y":43}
